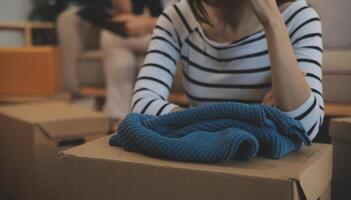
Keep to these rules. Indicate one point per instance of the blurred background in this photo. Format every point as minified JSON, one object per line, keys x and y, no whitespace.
{"x":55,"y":50}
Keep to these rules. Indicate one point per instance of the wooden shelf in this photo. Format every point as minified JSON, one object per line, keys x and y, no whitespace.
{"x":27,"y":28}
{"x":25,"y":25}
{"x":93,"y":92}
{"x":338,"y":110}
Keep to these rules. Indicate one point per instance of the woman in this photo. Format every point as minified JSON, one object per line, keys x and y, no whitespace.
{"x":252,"y":51}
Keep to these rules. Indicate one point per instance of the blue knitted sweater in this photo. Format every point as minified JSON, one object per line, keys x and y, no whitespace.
{"x":212,"y":133}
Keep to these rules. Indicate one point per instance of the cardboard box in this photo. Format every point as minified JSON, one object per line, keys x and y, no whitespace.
{"x":340,"y":132}
{"x":98,"y":171}
{"x":7,"y":100}
{"x":30,"y":71}
{"x":31,"y":135}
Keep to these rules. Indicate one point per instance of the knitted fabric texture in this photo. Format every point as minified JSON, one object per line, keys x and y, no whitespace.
{"x":212,"y":133}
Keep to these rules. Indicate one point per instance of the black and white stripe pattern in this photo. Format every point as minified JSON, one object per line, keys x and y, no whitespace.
{"x":237,"y":71}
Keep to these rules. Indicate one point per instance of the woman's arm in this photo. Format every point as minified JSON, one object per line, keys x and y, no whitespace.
{"x":289,"y":85}
{"x":295,"y":62}
{"x":155,"y":78}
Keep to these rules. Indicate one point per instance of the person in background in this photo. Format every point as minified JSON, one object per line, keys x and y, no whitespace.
{"x":251,"y":51}
{"x":122,"y":56}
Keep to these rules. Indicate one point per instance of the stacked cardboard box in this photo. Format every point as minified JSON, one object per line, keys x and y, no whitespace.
{"x":98,"y":171}
{"x":30,"y":71}
{"x":31,"y":135}
{"x":19,"y":99}
{"x":340,"y":131}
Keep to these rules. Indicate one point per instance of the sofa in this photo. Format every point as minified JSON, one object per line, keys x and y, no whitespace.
{"x":82,"y":58}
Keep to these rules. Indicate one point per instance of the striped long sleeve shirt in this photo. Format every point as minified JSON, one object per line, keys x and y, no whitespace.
{"x":234,"y":71}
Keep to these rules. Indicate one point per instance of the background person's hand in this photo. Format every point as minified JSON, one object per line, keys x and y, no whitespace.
{"x":134,"y":25}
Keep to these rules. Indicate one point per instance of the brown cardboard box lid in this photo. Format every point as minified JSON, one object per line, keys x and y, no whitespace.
{"x":58,"y":119}
{"x":340,"y":128}
{"x":62,"y":96}
{"x":310,"y":168}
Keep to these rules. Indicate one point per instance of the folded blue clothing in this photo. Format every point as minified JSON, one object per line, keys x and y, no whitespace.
{"x":216,"y":132}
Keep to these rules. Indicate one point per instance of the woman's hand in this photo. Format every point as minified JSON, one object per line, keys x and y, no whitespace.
{"x":267,"y":11}
{"x":136,"y":25}
{"x":176,"y":109}
{"x":269,"y":99}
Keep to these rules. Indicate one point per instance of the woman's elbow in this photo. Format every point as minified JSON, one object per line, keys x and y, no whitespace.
{"x":315,"y":128}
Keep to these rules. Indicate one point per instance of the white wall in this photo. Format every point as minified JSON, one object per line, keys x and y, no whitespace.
{"x":11,"y":10}
{"x":336,"y":21}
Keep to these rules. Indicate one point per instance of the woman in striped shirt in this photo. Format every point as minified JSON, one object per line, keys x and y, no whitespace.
{"x":251,"y":51}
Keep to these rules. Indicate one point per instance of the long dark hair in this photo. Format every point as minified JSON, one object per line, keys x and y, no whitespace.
{"x":201,"y":14}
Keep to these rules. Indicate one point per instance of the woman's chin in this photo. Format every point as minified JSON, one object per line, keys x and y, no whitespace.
{"x":227,"y":4}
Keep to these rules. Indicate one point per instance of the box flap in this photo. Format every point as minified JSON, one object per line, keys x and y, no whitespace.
{"x":305,"y":166}
{"x":58,"y":119}
{"x":315,"y":173}
{"x":44,"y":112}
{"x":74,"y":128}
{"x":63,"y":96}
{"x":340,"y":128}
